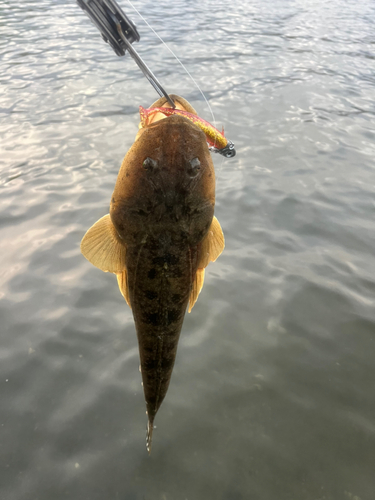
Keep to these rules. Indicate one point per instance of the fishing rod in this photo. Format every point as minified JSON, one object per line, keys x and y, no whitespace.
{"x":120,"y":32}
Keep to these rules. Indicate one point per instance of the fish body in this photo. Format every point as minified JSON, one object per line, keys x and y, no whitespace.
{"x":214,"y":137}
{"x":158,"y":238}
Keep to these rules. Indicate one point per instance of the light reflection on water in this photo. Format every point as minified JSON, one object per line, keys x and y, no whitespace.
{"x":272,"y":392}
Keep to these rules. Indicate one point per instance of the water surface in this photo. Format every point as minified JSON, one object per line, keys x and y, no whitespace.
{"x":272,"y":395}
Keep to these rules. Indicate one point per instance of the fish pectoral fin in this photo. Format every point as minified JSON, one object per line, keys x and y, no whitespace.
{"x":212,"y":244}
{"x":122,"y":280}
{"x":211,"y":247}
{"x":197,"y":287}
{"x":102,"y":246}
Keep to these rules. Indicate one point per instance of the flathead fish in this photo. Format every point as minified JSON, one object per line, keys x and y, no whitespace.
{"x":158,"y":238}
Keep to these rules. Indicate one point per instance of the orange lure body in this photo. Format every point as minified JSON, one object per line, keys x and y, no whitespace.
{"x":215,"y":139}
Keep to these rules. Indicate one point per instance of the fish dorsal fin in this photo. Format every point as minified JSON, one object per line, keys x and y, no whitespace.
{"x":102,"y":246}
{"x":122,"y":280}
{"x":212,"y":244}
{"x":197,"y":287}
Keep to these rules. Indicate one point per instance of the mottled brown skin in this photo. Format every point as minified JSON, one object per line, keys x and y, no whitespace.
{"x":162,"y":208}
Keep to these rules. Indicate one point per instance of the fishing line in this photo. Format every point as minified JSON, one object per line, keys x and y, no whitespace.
{"x":221,"y":164}
{"x":178,"y":60}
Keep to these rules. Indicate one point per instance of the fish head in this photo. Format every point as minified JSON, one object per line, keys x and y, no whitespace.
{"x":166,"y":183}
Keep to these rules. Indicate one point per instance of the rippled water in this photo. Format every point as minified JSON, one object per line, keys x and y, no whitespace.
{"x":272,"y":396}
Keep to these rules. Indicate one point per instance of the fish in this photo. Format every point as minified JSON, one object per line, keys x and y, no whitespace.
{"x":218,"y":142}
{"x":158,"y":238}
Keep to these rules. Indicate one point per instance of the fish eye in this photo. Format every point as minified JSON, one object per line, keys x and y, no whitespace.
{"x":149,"y":164}
{"x":194,"y":167}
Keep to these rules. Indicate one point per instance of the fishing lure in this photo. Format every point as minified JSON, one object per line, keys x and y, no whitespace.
{"x":218,"y":142}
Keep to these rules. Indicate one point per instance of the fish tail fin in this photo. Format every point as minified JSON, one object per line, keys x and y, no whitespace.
{"x":150,"y":428}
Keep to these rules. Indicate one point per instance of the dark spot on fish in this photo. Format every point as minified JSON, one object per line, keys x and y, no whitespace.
{"x":152,"y":274}
{"x":151,"y":365}
{"x":113,"y":199}
{"x":149,"y":164}
{"x":168,"y":258}
{"x":149,"y":350}
{"x":127,"y":174}
{"x":176,"y":297}
{"x":173,"y":259}
{"x":173,"y":316}
{"x":150,"y":294}
{"x":167,"y":364}
{"x":151,"y":318}
{"x":158,"y":261}
{"x":142,"y":212}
